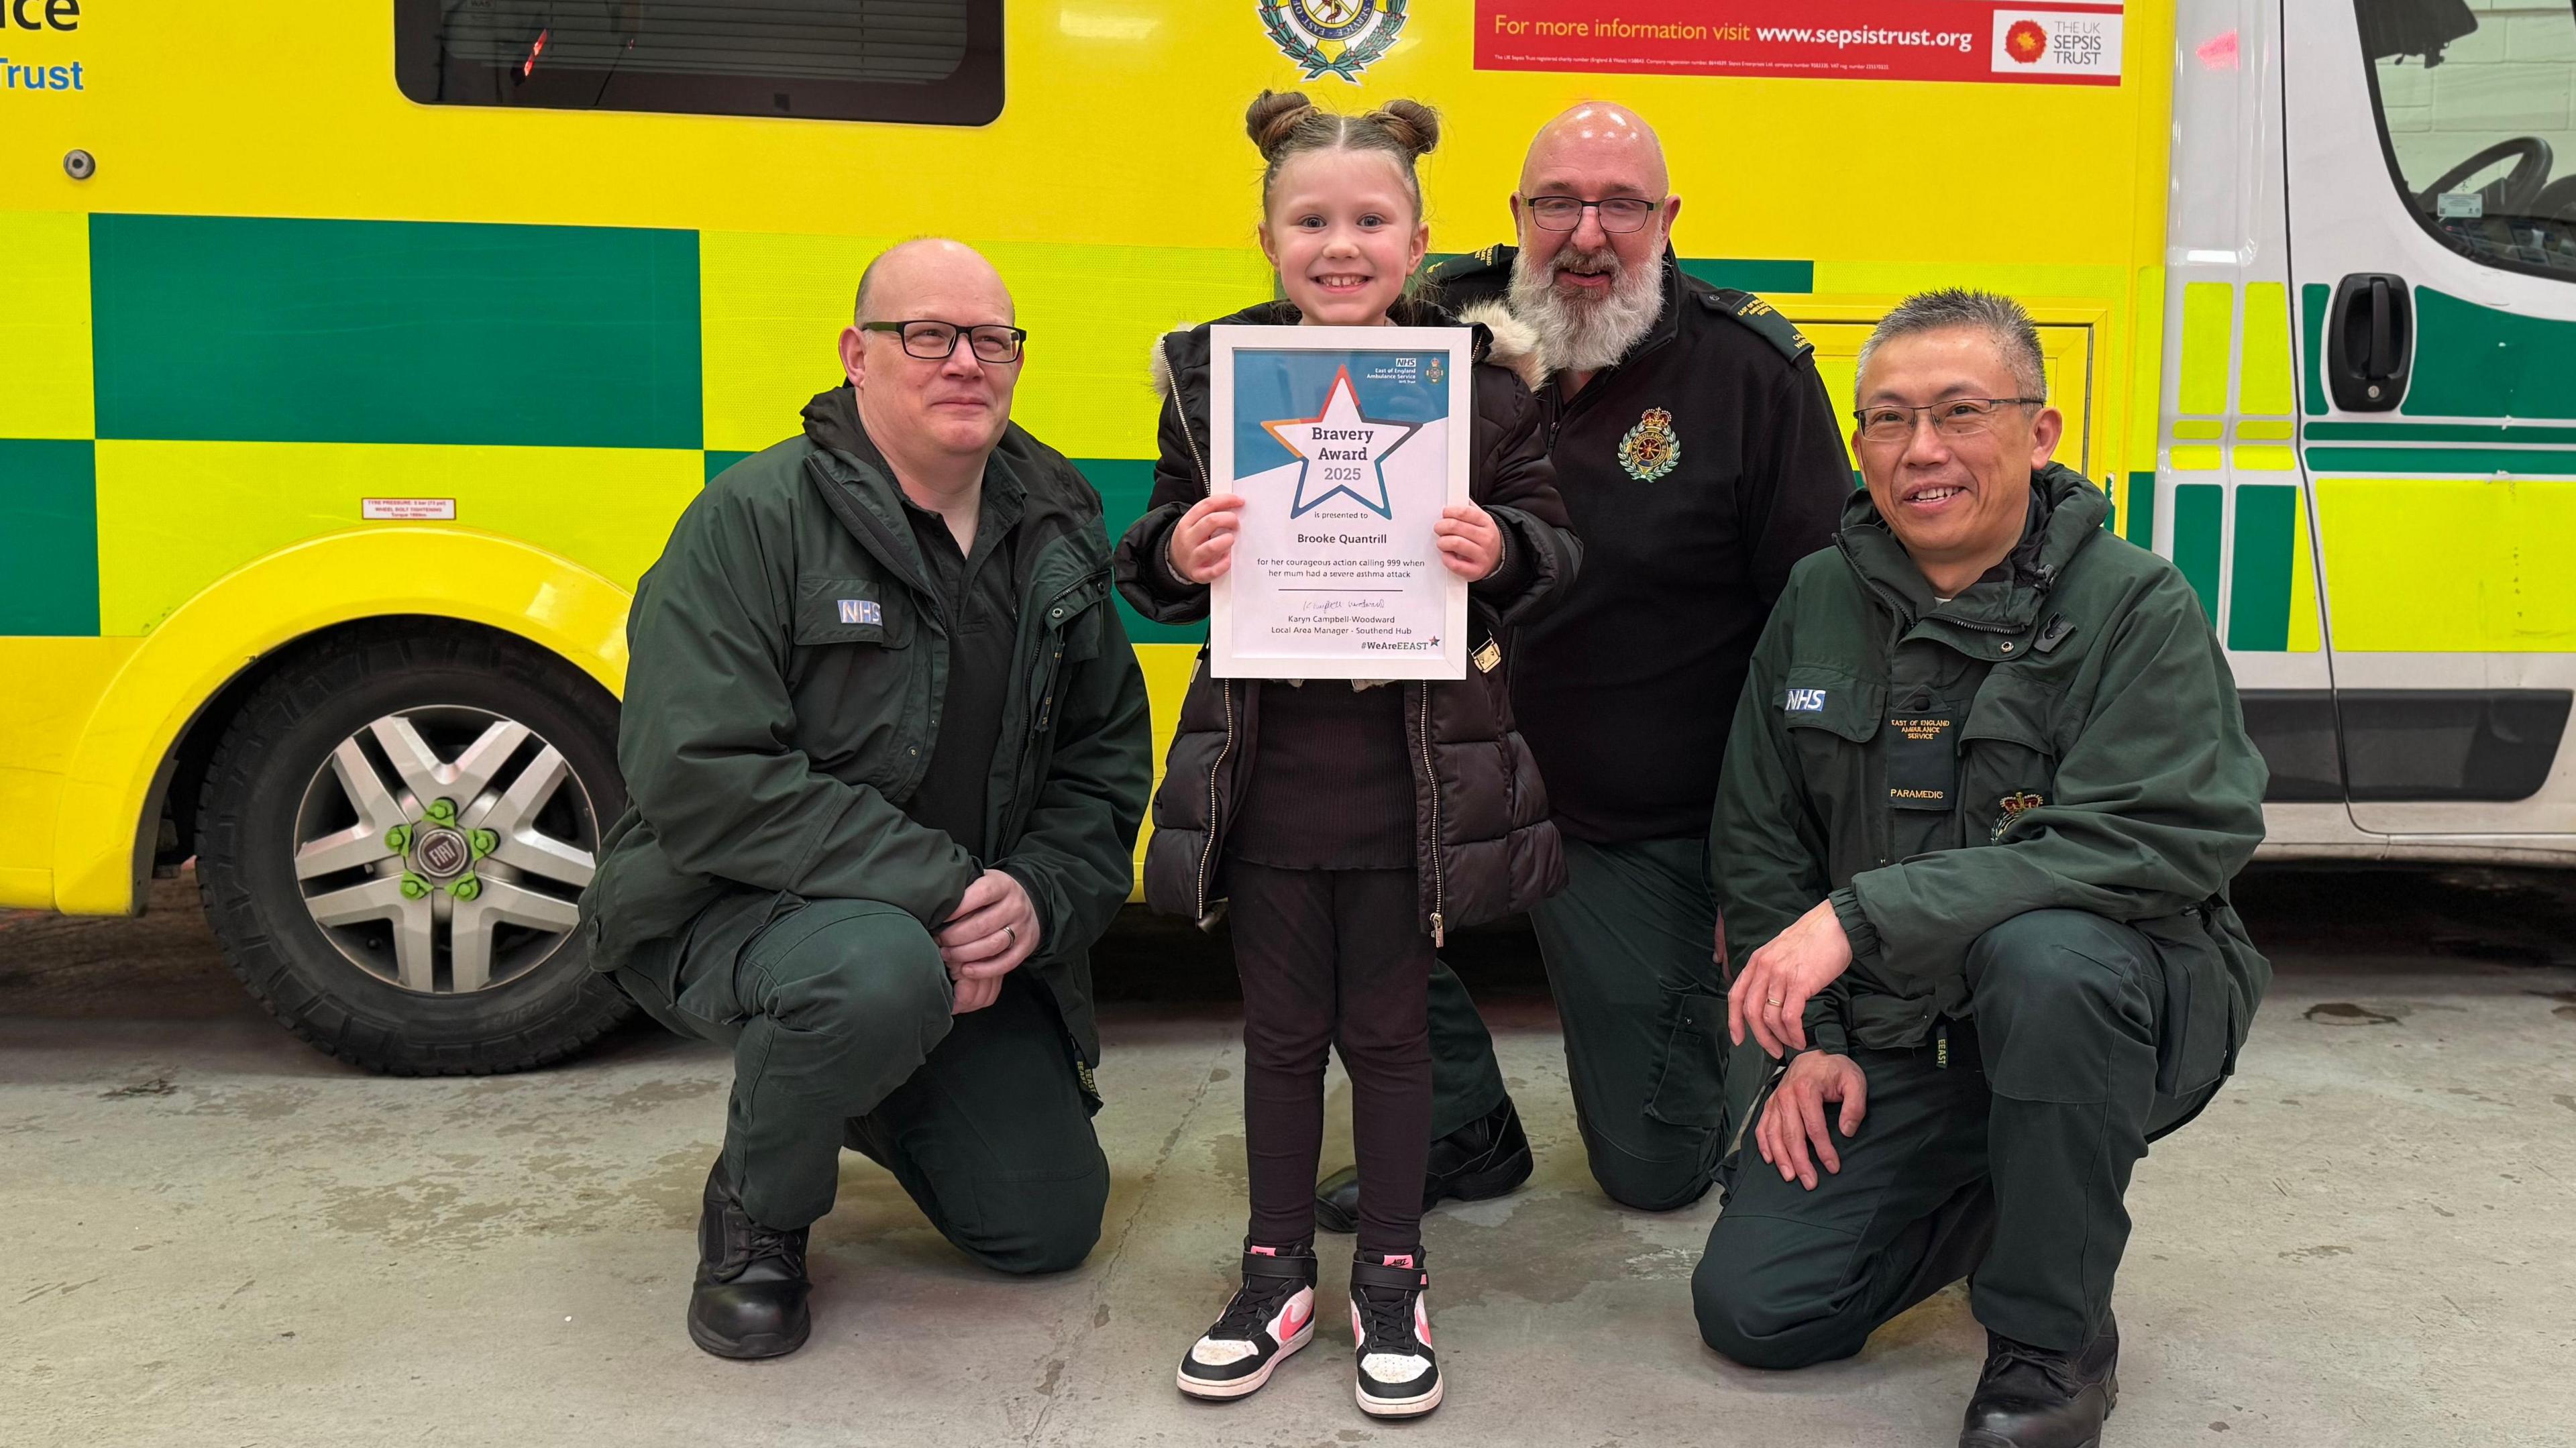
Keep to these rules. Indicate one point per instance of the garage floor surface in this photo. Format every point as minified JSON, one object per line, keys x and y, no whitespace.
{"x":211,"y":1236}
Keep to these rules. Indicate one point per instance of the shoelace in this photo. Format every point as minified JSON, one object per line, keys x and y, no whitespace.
{"x":1389,"y":1320}
{"x":1252,"y":1308}
{"x":760,"y":1243}
{"x":2058,"y":1368}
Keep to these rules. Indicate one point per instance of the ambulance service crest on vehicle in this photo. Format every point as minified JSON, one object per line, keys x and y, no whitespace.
{"x":1333,"y":37}
{"x":1650,"y":449}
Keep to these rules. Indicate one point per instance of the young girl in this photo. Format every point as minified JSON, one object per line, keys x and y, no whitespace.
{"x":1351,"y":825}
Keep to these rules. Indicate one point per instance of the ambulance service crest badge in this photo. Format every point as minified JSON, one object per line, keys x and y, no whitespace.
{"x":1436,"y":371}
{"x":1650,"y":449}
{"x":1332,"y":37}
{"x":2014,"y":807}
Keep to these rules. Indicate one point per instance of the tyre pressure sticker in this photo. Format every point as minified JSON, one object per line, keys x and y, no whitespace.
{"x":408,"y":510}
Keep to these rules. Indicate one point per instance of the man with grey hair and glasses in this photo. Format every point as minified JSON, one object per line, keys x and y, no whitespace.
{"x":1986,"y":789}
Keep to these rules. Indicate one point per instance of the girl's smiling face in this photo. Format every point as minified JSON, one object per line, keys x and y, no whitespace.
{"x":1344,"y":232}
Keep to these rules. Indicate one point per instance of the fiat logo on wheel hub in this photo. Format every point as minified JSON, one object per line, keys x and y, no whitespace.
{"x":442,"y":854}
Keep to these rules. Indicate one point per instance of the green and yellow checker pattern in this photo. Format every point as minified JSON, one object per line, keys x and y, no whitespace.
{"x":2235,"y":414}
{"x":194,"y":392}
{"x":2449,"y":522}
{"x":190,"y":393}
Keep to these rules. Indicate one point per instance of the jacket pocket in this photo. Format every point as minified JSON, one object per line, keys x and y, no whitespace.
{"x":1831,"y":718}
{"x":850,"y":611}
{"x":1690,"y":1085}
{"x":2197,"y":1044}
{"x":1832,"y":701}
{"x":2008,"y":754}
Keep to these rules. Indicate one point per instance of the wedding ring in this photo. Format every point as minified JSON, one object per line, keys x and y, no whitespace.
{"x":1775,"y":1000}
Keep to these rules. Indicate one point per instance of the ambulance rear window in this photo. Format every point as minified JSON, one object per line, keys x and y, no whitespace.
{"x":936,"y":62}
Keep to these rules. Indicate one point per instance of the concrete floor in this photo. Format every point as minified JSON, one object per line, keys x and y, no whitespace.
{"x":217,"y":1238}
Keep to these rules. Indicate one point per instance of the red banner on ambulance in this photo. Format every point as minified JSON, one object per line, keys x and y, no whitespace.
{"x":1935,"y":40}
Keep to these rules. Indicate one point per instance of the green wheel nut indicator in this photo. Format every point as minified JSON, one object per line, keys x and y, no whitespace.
{"x":414,"y":887}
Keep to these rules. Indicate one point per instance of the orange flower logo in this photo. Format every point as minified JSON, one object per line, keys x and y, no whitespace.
{"x":2026,"y":42}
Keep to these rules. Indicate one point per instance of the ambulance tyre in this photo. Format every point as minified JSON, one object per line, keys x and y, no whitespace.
{"x":391,"y":836}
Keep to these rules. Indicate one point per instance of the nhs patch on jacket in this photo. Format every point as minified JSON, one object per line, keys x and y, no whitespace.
{"x":1804,"y":701}
{"x":861,"y":610}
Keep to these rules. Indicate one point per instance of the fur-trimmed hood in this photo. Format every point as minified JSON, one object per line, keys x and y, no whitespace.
{"x":1502,"y":340}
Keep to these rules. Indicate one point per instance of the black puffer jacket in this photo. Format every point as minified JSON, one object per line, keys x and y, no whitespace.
{"x":1484,"y":845}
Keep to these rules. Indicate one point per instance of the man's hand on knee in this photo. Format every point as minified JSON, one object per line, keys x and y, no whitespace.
{"x":1795,"y":1116}
{"x":995,"y":928}
{"x":1770,"y":995}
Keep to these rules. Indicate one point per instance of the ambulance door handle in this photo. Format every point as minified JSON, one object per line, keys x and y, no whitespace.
{"x":2369,"y":341}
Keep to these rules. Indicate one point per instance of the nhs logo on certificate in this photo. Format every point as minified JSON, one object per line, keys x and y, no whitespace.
{"x":1345,"y":444}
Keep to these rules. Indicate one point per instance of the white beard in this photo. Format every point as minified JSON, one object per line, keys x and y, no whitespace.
{"x":1577,"y":335}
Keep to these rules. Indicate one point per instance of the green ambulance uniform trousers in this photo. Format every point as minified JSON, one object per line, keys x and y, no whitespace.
{"x":1629,"y":949}
{"x":838,"y":1016}
{"x":1999,"y":1150}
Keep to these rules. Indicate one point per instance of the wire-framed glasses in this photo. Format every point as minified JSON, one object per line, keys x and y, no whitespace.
{"x":1954,"y":417}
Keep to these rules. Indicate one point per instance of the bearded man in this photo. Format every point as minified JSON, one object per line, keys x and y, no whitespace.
{"x":1699,"y":458}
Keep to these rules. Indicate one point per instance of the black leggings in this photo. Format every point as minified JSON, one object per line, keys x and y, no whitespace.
{"x":1333,"y":958}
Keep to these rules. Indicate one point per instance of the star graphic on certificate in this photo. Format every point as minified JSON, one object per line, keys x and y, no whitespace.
{"x":1348,"y":448}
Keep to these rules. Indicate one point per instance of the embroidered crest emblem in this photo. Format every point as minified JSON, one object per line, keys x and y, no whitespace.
{"x":1332,"y":37}
{"x":2014,"y":807}
{"x":1650,"y":449}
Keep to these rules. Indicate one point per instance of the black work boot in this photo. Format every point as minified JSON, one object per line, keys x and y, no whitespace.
{"x":2031,"y":1397}
{"x":749,"y":1301}
{"x":1484,"y":1158}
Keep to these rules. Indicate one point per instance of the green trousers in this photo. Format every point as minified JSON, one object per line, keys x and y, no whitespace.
{"x":1999,"y":1151}
{"x":838,"y":1016}
{"x":1629,"y":945}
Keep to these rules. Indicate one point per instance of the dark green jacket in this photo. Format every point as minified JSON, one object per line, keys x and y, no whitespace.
{"x":788,"y":657}
{"x":2065,"y":734}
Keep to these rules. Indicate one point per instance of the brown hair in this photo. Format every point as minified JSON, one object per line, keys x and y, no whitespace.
{"x":1285,"y":124}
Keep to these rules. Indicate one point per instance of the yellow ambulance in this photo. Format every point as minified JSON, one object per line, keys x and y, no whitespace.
{"x":356,"y":356}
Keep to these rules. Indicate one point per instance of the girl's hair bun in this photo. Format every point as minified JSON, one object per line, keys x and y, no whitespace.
{"x":1413,"y":126}
{"x":1272,"y":118}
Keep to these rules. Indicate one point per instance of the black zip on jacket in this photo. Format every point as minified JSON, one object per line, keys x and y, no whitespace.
{"x":1696,"y":471}
{"x":1484,"y":846}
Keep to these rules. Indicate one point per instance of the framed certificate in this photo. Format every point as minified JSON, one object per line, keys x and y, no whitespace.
{"x":1345,"y":443}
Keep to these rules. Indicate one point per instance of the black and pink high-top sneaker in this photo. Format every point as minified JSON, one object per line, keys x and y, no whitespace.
{"x":1399,"y":1375}
{"x":1271,"y":1316}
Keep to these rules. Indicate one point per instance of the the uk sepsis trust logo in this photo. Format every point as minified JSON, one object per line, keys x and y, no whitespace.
{"x":2056,"y":43}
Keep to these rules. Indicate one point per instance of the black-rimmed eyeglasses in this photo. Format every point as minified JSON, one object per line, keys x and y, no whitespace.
{"x":937,"y":341}
{"x":1954,"y":417}
{"x":1618,"y":213}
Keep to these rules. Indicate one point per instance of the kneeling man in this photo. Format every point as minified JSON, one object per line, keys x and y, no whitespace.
{"x":888,"y":751}
{"x":1985,"y":792}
